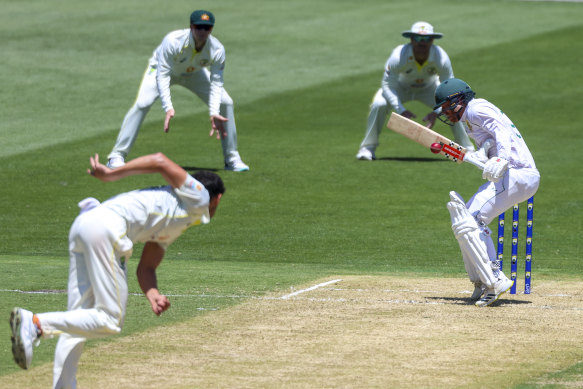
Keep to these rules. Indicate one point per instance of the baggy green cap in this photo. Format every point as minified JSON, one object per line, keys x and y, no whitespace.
{"x":202,"y":17}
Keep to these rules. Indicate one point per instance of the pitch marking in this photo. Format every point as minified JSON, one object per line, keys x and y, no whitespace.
{"x":309,"y":289}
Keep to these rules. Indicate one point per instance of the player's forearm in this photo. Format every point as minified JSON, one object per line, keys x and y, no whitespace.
{"x":146,"y":272}
{"x":152,"y":163}
{"x":215,"y":93}
{"x":393,"y":100}
{"x":163,"y":75}
{"x":389,"y":84}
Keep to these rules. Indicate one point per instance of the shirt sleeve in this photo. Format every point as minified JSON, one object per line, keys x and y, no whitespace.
{"x":390,"y":80}
{"x":216,"y":78}
{"x":445,"y":68}
{"x":194,"y":196}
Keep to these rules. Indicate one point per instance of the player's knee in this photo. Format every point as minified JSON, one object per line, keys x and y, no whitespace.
{"x":143,"y":106}
{"x":379,"y":104}
{"x":111,"y":321}
{"x":226,"y":100}
{"x":143,"y":103}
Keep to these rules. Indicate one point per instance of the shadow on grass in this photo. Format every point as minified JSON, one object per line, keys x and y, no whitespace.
{"x":467,"y":301}
{"x":412,"y":159}
{"x":198,"y":168}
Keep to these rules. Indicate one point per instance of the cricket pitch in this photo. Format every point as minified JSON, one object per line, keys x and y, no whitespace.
{"x":352,"y":331}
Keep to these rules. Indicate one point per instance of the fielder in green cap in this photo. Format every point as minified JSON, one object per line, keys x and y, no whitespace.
{"x":195,"y":60}
{"x":202,"y":18}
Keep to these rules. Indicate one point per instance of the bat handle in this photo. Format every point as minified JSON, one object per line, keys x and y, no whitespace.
{"x":478,"y":164}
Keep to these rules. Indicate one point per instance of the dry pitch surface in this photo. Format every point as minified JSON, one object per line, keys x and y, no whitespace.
{"x":355,"y":332}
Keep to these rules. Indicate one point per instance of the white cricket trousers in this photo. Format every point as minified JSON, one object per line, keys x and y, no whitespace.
{"x":97,"y":290}
{"x":491,"y":199}
{"x":199,"y":84}
{"x":379,"y":109}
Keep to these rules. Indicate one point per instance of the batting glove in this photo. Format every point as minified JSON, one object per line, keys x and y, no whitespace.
{"x":495,"y":169}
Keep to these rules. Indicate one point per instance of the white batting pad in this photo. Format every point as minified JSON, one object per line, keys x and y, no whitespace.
{"x":470,"y":268}
{"x":468,"y":235}
{"x":456,"y":197}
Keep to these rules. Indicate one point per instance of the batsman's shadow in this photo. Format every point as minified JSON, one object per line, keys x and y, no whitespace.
{"x":467,"y":301}
{"x":412,"y":159}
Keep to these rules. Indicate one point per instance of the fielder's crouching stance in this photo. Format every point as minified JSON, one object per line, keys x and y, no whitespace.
{"x":100,"y":241}
{"x":512,"y":178}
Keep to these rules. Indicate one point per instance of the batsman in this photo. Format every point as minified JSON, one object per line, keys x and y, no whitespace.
{"x":512,"y":178}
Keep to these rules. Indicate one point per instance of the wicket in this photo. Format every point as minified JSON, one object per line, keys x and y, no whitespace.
{"x":514,"y":252}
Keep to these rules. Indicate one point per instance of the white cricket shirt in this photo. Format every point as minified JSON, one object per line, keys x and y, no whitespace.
{"x":486,"y":121}
{"x":402,"y":72}
{"x":176,"y":57}
{"x":161,"y":214}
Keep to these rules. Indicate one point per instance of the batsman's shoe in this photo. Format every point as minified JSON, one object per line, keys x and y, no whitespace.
{"x":365,"y":154}
{"x":491,"y":295}
{"x":25,"y":333}
{"x":115,"y":162}
{"x":236,"y":165}
{"x":479,"y":290}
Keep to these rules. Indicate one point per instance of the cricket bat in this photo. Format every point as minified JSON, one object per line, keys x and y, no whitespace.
{"x":437,"y":143}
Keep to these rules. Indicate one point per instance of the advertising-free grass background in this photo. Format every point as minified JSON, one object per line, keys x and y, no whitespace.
{"x":302,"y":75}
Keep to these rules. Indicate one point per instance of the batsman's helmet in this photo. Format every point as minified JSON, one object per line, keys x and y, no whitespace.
{"x":453,"y":90}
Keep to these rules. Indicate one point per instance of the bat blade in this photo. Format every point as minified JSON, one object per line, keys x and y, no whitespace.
{"x":426,"y":137}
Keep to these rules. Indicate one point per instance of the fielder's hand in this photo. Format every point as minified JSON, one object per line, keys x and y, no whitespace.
{"x":408,"y":114}
{"x":169,"y":115}
{"x":430,"y":119}
{"x":217,"y":123}
{"x":495,"y":169}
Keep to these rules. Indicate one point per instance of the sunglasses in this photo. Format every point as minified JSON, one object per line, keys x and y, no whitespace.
{"x":204,"y":27}
{"x":422,"y":38}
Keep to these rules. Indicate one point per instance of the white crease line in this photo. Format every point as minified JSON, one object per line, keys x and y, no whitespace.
{"x":52,"y":291}
{"x":556,"y":1}
{"x":309,"y":289}
{"x":436,"y":291}
{"x":234,"y":296}
{"x":55,"y":291}
{"x":324,"y":299}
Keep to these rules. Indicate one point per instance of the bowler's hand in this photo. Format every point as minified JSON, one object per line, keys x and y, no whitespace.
{"x":217,"y":123}
{"x":430,"y":119}
{"x":159,"y":304}
{"x":169,"y":115}
{"x":98,"y":170}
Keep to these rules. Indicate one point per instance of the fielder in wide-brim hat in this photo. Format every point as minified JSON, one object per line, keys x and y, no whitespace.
{"x":422,"y":28}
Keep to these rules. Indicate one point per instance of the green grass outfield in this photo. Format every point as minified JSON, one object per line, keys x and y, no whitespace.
{"x":302,"y":74}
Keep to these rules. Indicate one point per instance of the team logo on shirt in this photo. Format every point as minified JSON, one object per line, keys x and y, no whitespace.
{"x":196,"y":185}
{"x":190,"y":69}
